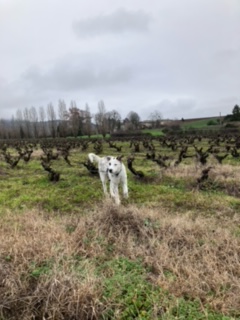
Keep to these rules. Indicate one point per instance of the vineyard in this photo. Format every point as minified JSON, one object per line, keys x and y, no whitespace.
{"x":169,"y":251}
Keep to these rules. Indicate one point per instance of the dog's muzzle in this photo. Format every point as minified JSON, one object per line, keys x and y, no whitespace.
{"x":115,"y":174}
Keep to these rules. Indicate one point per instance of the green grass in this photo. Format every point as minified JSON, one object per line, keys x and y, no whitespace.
{"x":200,"y":124}
{"x":127,"y":290}
{"x":27,"y":185}
{"x":154,"y":132}
{"x":186,"y":125}
{"x":130,"y":295}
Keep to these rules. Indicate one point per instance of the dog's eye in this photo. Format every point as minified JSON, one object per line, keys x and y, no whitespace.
{"x":109,"y":163}
{"x":115,"y":164}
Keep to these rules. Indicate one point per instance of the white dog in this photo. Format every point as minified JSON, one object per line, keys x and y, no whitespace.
{"x":112,"y":169}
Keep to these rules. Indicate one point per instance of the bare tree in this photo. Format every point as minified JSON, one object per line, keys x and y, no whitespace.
{"x":63,"y":116}
{"x":155,"y":117}
{"x":27,"y":123}
{"x":88,"y":123}
{"x":113,"y":120}
{"x":13,"y":129}
{"x":42,"y":119}
{"x":20,"y":124}
{"x":75,"y":117}
{"x":34,"y":120}
{"x":3,"y":130}
{"x":101,"y":118}
{"x":52,"y":120}
{"x":134,"y":119}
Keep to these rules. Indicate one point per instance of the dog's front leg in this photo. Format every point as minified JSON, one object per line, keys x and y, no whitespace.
{"x":125,"y":190}
{"x":104,"y":179}
{"x":104,"y":184}
{"x":114,"y":192}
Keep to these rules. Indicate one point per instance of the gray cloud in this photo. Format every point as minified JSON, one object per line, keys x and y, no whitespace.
{"x":72,"y":76}
{"x":188,"y":107}
{"x":14,"y":96}
{"x":119,"y":21}
{"x":176,"y":108}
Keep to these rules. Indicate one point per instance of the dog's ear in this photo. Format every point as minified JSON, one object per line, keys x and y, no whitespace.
{"x":108,"y":158}
{"x":119,"y":158}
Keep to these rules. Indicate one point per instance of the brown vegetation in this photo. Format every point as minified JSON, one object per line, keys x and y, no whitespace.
{"x":48,"y":264}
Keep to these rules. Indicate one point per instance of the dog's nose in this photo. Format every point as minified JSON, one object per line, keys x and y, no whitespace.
{"x":110,"y":170}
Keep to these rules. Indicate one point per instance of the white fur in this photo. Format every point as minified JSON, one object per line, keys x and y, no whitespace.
{"x":112,"y":169}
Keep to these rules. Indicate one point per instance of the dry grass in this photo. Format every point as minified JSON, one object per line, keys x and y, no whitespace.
{"x":223,"y":177}
{"x":37,"y":275}
{"x":222,"y":171}
{"x":189,"y":258}
{"x":48,"y":264}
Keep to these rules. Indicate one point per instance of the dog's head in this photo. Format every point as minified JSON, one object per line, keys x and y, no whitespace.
{"x":115,"y":165}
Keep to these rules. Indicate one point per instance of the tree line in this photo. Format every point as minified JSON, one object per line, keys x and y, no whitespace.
{"x":43,"y":122}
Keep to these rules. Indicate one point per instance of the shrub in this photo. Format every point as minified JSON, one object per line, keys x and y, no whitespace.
{"x":212,"y":123}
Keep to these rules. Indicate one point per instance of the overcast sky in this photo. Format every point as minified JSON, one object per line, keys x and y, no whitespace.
{"x":180,"y":57}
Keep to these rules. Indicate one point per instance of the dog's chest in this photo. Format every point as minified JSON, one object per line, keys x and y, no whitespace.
{"x":114,"y":177}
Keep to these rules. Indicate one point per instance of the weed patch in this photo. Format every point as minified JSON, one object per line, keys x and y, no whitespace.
{"x":118,"y":262}
{"x":127,"y":293}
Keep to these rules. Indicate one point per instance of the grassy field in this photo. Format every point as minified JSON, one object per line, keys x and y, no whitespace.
{"x":153,"y":132}
{"x":170,"y":251}
{"x":210,"y":124}
{"x":203,"y":124}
